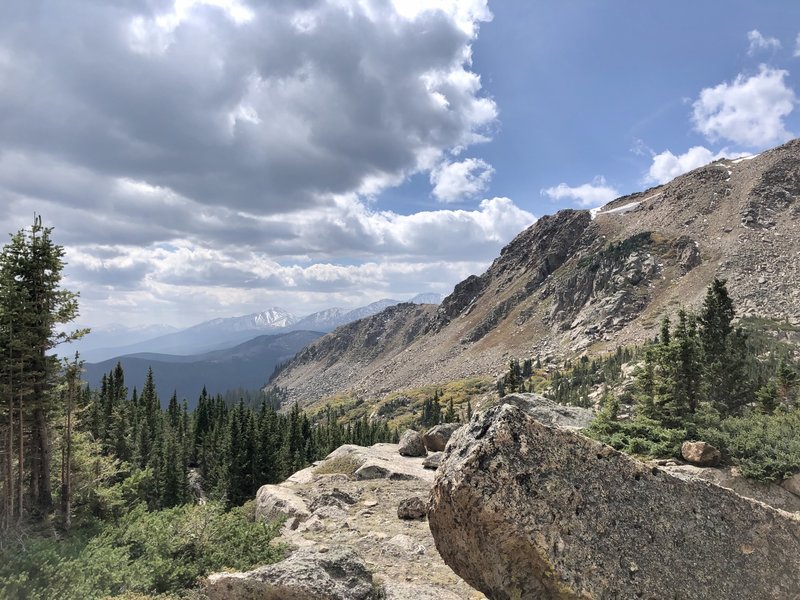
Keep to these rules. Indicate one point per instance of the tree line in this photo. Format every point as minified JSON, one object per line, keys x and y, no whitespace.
{"x":68,"y":450}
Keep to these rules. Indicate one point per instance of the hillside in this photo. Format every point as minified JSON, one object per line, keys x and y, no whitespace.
{"x":585,"y":281}
{"x":245,"y":366}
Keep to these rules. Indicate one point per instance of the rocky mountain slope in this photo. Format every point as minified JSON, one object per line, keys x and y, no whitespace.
{"x":583,"y":281}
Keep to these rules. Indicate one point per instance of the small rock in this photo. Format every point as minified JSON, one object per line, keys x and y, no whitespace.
{"x":412,"y":508}
{"x":338,"y":574}
{"x":372,"y":471}
{"x":370,"y":503}
{"x":436,"y":437}
{"x":275,"y":502}
{"x":792,"y":484}
{"x":701,"y":454}
{"x":406,"y":543}
{"x":412,"y":444}
{"x":432,"y":461}
{"x":336,"y":498}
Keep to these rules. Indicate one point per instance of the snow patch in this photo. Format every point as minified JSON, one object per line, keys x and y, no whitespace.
{"x":619,"y":209}
{"x":741,"y":158}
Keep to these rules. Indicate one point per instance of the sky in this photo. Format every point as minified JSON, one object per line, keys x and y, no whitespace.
{"x":208,"y":158}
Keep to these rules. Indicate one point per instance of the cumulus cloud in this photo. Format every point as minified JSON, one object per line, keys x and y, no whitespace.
{"x":428,"y":250}
{"x":596,"y":193}
{"x":667,"y":166}
{"x":264,"y":107}
{"x":461,"y":180}
{"x":202,"y":154}
{"x":757,"y":42}
{"x":749,"y":111}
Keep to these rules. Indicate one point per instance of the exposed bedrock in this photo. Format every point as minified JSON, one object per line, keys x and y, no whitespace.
{"x":521,"y":511}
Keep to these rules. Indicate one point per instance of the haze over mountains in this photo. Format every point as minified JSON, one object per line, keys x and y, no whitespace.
{"x":220,"y":354}
{"x":104,"y":343}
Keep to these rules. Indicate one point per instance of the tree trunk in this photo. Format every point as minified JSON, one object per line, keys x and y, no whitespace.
{"x":20,"y":463}
{"x":66,"y":463}
{"x":43,"y":490}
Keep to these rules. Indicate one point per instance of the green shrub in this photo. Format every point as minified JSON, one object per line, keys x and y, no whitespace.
{"x":766,"y":446}
{"x":145,"y":552}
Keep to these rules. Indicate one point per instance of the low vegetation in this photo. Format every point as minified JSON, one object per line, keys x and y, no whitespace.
{"x":703,"y":377}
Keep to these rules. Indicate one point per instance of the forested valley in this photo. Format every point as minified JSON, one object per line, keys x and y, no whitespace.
{"x":102,"y":491}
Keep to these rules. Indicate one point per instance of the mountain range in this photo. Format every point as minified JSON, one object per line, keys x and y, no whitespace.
{"x":584,"y":281}
{"x":113,"y":341}
{"x":245,"y":366}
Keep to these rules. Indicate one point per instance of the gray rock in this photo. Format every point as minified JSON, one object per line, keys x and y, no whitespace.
{"x":522,"y":510}
{"x":432,"y":461}
{"x":436,"y":437}
{"x":412,"y":508}
{"x":411,"y":444}
{"x":337,"y":574}
{"x":276,"y":502}
{"x":548,"y":412}
{"x":792,"y":484}
{"x":701,"y":454}
{"x":336,"y":498}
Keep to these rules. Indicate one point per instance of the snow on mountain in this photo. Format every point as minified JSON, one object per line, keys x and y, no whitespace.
{"x":428,"y":298}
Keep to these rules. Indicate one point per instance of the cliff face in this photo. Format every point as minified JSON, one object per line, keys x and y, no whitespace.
{"x":578,"y":281}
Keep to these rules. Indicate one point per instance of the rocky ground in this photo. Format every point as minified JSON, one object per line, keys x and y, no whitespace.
{"x":350,"y":500}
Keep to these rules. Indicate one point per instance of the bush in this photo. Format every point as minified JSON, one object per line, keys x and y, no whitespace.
{"x":766,"y":446}
{"x":145,"y":552}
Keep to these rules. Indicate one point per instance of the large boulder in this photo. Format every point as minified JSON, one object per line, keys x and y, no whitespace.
{"x":411,"y":444}
{"x":436,"y":437}
{"x":548,"y":412}
{"x":701,"y":454}
{"x":522,"y":510}
{"x":279,"y":502}
{"x":338,"y":574}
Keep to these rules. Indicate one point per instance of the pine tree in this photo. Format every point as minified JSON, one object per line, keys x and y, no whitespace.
{"x":30,"y":274}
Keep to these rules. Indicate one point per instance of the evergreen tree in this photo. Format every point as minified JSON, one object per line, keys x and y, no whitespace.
{"x":30,"y":274}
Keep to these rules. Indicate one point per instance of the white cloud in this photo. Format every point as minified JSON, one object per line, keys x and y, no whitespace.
{"x":797,"y":46}
{"x":758,"y":42}
{"x":461,"y":180}
{"x":666,"y":166}
{"x":749,"y":111}
{"x":596,"y":193}
{"x":189,"y":280}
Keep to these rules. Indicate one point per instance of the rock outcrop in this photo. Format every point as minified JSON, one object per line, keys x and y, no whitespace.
{"x":351,"y":513}
{"x":337,"y":574}
{"x":278,"y":502}
{"x":548,"y":412}
{"x":437,"y":436}
{"x":523,"y":510}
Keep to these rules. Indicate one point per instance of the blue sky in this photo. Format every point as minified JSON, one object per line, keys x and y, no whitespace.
{"x":205,"y":158}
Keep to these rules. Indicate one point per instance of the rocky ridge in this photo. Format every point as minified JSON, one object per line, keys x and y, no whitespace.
{"x":585,"y":281}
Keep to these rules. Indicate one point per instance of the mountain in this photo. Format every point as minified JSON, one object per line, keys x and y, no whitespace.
{"x":215,"y":334}
{"x":106,"y":343}
{"x":91,"y":345}
{"x":247,"y":366}
{"x":585,"y":281}
{"x":330,"y":319}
